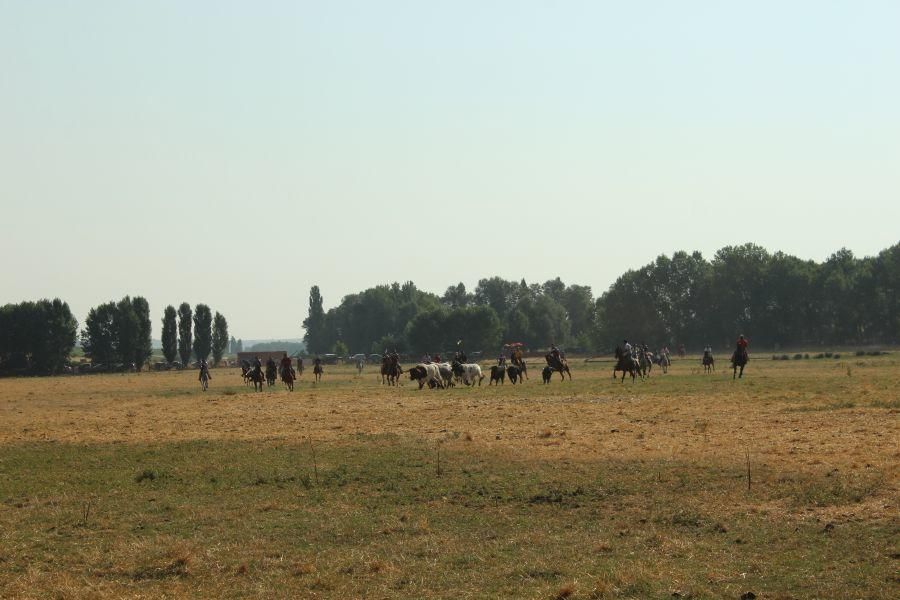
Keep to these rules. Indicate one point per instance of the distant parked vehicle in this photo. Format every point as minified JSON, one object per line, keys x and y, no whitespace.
{"x":374,"y":358}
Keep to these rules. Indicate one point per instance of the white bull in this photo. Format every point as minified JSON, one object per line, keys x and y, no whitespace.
{"x":425,"y":374}
{"x":472,"y":373}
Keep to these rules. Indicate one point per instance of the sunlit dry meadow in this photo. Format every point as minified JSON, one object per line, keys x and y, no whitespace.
{"x":783,"y":484}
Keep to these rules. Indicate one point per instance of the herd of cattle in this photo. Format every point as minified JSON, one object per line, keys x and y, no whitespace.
{"x":447,"y":374}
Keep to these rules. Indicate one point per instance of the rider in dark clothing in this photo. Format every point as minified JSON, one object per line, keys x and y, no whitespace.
{"x":257,"y":365}
{"x":204,"y":367}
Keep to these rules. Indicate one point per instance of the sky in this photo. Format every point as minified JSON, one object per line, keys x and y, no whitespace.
{"x":236,"y":153}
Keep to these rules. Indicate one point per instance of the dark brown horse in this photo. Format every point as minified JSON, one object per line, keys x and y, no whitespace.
{"x":519,"y":362}
{"x":559,"y":365}
{"x":390,"y":370}
{"x":287,"y":377}
{"x":318,"y":370}
{"x":739,"y":360}
{"x":709,"y":363}
{"x":626,"y":364}
{"x":256,"y":377}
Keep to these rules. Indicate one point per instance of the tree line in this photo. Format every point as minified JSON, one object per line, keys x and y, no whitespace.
{"x":775,"y":299}
{"x":40,"y":336}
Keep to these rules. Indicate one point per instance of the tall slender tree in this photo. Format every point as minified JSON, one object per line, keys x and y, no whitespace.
{"x":184,"y":332}
{"x":170,"y":334}
{"x":315,"y":323}
{"x":202,"y":331}
{"x":219,"y":337}
{"x":143,"y":346}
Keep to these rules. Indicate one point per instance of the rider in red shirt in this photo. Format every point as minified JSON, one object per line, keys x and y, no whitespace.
{"x":742,"y":345}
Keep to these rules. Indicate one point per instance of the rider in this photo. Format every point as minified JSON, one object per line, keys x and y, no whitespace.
{"x":257,"y":364}
{"x":707,"y":351}
{"x":501,"y":359}
{"x":204,"y":367}
{"x":627,"y":349}
{"x":741,"y":346}
{"x":286,"y":365}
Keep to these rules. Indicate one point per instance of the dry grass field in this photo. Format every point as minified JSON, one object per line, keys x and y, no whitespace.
{"x":141,"y":485}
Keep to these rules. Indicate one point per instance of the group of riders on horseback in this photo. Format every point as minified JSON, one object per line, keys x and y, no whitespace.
{"x":630,"y":359}
{"x":252,"y":372}
{"x":638,"y":360}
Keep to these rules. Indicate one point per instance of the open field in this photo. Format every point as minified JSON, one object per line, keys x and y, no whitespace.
{"x":140,"y":485}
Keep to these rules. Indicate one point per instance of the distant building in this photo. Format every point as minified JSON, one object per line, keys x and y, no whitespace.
{"x":264,"y":356}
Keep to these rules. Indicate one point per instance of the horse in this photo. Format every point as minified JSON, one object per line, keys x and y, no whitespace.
{"x":738,"y":359}
{"x":709,"y":363}
{"x":626,"y":364}
{"x":271,"y":372}
{"x":256,"y":376}
{"x":558,"y":364}
{"x":317,"y":372}
{"x":287,"y":377}
{"x":646,"y":361}
{"x":518,"y":361}
{"x":663,"y":362}
{"x":390,"y":370}
{"x":498,"y":375}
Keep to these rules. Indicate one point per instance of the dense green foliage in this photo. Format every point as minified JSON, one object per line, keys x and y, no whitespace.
{"x":219,"y":337}
{"x":185,"y":337}
{"x":37,"y":335}
{"x":774,"y":299}
{"x":170,"y":334}
{"x":202,"y":331}
{"x":118,"y":332}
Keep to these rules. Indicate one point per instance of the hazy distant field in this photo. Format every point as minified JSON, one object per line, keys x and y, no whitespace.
{"x":143,"y":486}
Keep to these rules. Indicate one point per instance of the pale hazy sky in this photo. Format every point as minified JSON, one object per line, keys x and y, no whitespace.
{"x":176,"y":149}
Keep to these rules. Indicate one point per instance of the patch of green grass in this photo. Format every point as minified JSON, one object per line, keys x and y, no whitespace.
{"x":373,"y":515}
